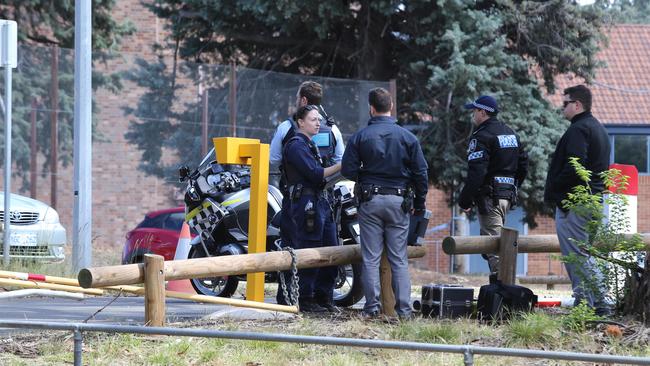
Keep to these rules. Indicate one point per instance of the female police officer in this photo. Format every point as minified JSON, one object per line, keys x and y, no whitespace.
{"x":310,"y":213}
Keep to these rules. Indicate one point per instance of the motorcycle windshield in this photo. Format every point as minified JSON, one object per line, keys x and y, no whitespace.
{"x":208,"y":157}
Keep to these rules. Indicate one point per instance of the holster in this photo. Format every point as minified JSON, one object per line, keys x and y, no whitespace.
{"x":407,"y":204}
{"x":295,"y":192}
{"x":363,"y":193}
{"x":504,"y":191}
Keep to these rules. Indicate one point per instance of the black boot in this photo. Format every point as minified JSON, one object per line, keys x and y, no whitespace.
{"x":308,"y":305}
{"x":327,"y":302}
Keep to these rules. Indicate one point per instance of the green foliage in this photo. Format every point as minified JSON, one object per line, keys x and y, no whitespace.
{"x":605,"y":236}
{"x":51,"y":23}
{"x":442,"y":53}
{"x":626,"y":11}
{"x":532,"y":329}
{"x":579,"y":317}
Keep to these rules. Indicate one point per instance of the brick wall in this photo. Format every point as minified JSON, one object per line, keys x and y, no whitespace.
{"x":122,"y":194}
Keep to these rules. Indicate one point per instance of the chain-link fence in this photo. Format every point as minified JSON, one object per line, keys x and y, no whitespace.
{"x":151,"y":115}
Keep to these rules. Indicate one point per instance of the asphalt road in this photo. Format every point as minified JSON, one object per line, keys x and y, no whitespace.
{"x":124,"y":310}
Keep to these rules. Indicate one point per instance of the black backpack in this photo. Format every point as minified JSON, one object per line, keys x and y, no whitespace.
{"x":498,"y":301}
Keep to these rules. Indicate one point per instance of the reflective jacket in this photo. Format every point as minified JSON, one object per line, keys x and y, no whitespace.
{"x":496,"y":164}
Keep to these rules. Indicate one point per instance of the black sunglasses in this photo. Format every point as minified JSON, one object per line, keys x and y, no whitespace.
{"x":567,"y":102}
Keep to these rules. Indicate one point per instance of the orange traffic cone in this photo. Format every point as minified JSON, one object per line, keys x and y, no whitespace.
{"x":182,"y":251}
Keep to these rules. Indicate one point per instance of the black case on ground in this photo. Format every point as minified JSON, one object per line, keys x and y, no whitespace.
{"x":498,"y":301}
{"x":446,"y":301}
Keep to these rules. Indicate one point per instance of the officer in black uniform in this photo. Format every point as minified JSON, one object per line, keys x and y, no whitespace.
{"x":386,"y":161}
{"x":309,"y":210}
{"x":497,"y":165}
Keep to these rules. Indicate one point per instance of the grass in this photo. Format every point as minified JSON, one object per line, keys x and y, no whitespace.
{"x":538,"y":330}
{"x":532,"y":329}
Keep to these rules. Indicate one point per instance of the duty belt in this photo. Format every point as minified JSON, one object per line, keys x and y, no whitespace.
{"x":304,"y":191}
{"x":389,"y":191}
{"x":505,"y":180}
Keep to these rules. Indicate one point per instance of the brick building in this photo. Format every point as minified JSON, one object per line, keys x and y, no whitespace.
{"x":122,"y":193}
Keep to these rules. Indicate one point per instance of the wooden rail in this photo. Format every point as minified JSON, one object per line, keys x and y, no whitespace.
{"x":508,"y":245}
{"x":525,"y":244}
{"x":229,"y":265}
{"x":155,"y":271}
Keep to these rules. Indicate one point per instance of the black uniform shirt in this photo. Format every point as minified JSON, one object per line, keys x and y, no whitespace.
{"x":494,"y":151}
{"x":387,"y":155}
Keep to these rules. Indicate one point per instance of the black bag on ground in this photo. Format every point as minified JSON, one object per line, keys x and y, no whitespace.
{"x":498,"y":301}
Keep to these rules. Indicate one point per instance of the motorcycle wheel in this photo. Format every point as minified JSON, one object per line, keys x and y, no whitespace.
{"x":222,"y":286}
{"x":347,"y":288}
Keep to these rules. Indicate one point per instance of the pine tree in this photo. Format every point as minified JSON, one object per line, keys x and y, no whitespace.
{"x":43,"y":24}
{"x":443,"y":54}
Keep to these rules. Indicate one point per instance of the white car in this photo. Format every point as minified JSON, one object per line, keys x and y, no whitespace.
{"x":36,"y":232}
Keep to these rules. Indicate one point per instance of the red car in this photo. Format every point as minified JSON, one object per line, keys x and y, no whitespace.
{"x":158,"y":234}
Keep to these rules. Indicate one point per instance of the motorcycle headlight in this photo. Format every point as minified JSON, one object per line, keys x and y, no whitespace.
{"x":51,"y":217}
{"x":351,"y":211}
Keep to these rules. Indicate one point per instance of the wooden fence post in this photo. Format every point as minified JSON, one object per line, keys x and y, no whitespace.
{"x":508,"y":256}
{"x":154,"y":290}
{"x":387,"y":294}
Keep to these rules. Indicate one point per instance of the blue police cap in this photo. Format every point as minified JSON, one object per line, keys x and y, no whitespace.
{"x":484,"y":102}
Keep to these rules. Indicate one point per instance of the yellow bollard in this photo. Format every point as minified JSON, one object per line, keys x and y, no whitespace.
{"x":232,"y":150}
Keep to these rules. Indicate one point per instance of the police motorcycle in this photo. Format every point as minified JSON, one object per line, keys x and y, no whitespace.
{"x":217,"y":203}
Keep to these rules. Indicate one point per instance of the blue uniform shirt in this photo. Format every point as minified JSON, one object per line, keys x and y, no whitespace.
{"x":308,"y":171}
{"x":385,"y":154}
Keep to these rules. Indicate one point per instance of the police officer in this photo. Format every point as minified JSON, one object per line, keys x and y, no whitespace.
{"x":497,"y":165}
{"x":328,"y":140}
{"x":309,"y":210}
{"x":384,"y":160}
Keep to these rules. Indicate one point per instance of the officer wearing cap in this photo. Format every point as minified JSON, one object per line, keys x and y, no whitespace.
{"x":496,"y":166}
{"x":309,"y":211}
{"x":384,"y":160}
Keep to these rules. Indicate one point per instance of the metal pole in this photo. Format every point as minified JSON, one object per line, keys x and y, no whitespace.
{"x":333,"y":341}
{"x":232,"y":100}
{"x":54,"y":135}
{"x":7,"y":183}
{"x":392,"y":85}
{"x":78,"y":347}
{"x":204,"y":123}
{"x":468,"y":357}
{"x":32,"y":151}
{"x":82,"y":220}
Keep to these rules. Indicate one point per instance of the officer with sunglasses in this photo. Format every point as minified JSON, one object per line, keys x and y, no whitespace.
{"x":587,"y":140}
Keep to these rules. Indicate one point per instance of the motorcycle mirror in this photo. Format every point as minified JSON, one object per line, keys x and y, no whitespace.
{"x":183,"y":173}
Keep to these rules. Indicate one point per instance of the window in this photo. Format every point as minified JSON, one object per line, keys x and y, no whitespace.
{"x":174,"y":221}
{"x":632,"y":150}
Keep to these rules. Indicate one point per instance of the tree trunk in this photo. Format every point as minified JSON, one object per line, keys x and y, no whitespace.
{"x":636,"y":301}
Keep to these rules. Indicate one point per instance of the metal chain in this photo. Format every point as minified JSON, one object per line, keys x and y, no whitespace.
{"x":293,"y":300}
{"x":294,"y":276}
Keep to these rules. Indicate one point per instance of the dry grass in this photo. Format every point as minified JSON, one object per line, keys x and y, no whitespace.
{"x":537,"y":331}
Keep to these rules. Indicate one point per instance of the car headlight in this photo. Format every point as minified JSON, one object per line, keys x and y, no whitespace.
{"x":51,"y":217}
